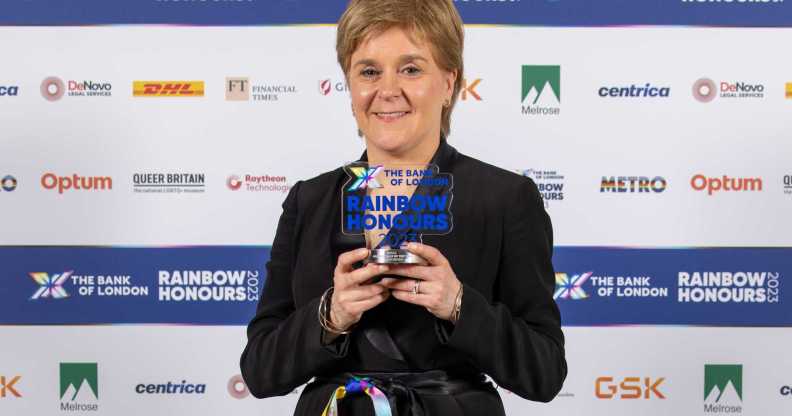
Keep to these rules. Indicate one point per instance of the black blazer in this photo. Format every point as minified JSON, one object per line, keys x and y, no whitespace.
{"x":509,"y":328}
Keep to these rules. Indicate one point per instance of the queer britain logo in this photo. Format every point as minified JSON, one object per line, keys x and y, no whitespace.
{"x":728,"y":287}
{"x":632,"y":91}
{"x":725,"y":183}
{"x":50,"y":286}
{"x":723,"y":388}
{"x":167,"y":88}
{"x":79,"y":387}
{"x":8,"y":386}
{"x":541,"y":89}
{"x":629,"y":388}
{"x":169,"y":183}
{"x":633,"y":184}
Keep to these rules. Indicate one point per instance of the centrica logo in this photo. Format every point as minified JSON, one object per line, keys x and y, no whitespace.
{"x":786,"y":391}
{"x":647,"y":90}
{"x":633,"y":184}
{"x":8,"y":386}
{"x":171,"y":388}
{"x":9,"y":90}
{"x":168,"y":89}
{"x":725,"y":184}
{"x":629,"y":388}
{"x":76,"y":182}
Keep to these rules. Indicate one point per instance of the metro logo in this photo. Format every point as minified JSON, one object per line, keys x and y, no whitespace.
{"x":168,"y":89}
{"x":628,"y":388}
{"x":7,"y":386}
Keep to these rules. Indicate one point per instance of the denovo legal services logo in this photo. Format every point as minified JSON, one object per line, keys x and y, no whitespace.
{"x":541,"y":89}
{"x":208,"y":285}
{"x":53,"y":88}
{"x":705,"y":90}
{"x":167,"y":88}
{"x":52,"y":285}
{"x":634,"y":91}
{"x":633,"y":184}
{"x":645,"y":388}
{"x":169,"y":183}
{"x":8,"y":183}
{"x":725,"y":183}
{"x":574,"y":286}
{"x":79,"y":387}
{"x":257,"y":183}
{"x":8,"y":386}
{"x":171,"y":388}
{"x":75,"y":182}
{"x":241,"y":89}
{"x":723,"y":388}
{"x":728,"y":287}
{"x":9,"y":90}
{"x":328,"y":85}
{"x":549,"y":182}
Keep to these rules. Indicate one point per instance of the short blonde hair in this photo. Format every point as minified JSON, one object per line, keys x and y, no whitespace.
{"x":434,"y":21}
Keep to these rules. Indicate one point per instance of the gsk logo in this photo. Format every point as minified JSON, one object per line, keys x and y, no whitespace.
{"x":167,"y":88}
{"x":629,"y":388}
{"x":326,"y":86}
{"x":8,"y":386}
{"x":470,"y":90}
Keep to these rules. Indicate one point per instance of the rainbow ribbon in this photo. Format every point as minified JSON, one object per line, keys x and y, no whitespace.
{"x":358,"y":385}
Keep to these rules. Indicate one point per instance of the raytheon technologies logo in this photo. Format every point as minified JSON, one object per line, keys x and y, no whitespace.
{"x":541,"y":89}
{"x":723,"y":388}
{"x":79,"y":387}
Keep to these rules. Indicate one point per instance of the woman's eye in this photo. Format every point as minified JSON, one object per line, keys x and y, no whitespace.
{"x":369,"y":72}
{"x":412,"y":70}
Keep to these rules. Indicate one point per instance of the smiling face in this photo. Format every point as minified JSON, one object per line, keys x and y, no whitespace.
{"x":398,"y":92}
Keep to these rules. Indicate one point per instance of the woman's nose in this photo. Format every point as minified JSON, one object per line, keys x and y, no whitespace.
{"x":389,"y":86}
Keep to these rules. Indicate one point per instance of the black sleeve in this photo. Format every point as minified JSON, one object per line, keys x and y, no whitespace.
{"x":524,"y":352}
{"x":285,"y":348}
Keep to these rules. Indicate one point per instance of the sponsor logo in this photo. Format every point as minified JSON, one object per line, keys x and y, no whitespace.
{"x":788,"y":184}
{"x":549,"y":182}
{"x":102,"y":285}
{"x":646,"y":90}
{"x":728,"y":287}
{"x":725,"y":184}
{"x":50,"y":286}
{"x":470,"y":89}
{"x":570,"y":287}
{"x":208,"y":285}
{"x":171,"y":388}
{"x":75,"y":182}
{"x":79,"y":387}
{"x":257,"y":183}
{"x":789,"y":90}
{"x":167,"y":88}
{"x":89,"y":89}
{"x":327,"y":85}
{"x":237,"y":387}
{"x":541,"y":89}
{"x":629,"y":388}
{"x":365,"y":178}
{"x":9,"y":90}
{"x":8,"y":183}
{"x":633,"y":184}
{"x":52,"y":88}
{"x":786,"y":391}
{"x":723,"y":388}
{"x":8,"y":386}
{"x":240,"y":89}
{"x":705,"y":90}
{"x":169,"y":183}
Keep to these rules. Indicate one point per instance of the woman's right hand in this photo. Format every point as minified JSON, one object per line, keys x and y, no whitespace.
{"x":351,"y":294}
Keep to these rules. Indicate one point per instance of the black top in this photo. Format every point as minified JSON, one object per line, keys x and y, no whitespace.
{"x":509,"y":328}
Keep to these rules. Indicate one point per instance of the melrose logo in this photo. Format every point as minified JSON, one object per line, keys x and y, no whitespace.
{"x":541,"y":82}
{"x":76,"y":182}
{"x":725,"y":184}
{"x":723,"y":388}
{"x":79,"y":386}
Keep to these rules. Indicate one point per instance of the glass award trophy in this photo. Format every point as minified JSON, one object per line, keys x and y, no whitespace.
{"x":392,"y":205}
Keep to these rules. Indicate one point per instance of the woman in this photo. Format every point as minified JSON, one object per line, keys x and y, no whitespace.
{"x":417,"y":342}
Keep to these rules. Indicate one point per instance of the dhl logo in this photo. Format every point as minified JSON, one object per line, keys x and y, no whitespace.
{"x":168,"y":89}
{"x":789,"y":90}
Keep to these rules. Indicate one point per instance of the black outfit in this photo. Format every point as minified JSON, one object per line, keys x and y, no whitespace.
{"x":509,"y":328}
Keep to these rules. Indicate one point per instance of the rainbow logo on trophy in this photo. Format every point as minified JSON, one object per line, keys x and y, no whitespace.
{"x":392,"y":205}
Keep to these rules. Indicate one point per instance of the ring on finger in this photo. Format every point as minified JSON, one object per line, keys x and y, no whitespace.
{"x":417,"y":287}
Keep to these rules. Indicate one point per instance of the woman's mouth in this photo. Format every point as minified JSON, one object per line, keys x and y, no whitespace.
{"x":389,"y":116}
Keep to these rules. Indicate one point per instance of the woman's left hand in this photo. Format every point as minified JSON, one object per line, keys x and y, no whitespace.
{"x":437,"y":283}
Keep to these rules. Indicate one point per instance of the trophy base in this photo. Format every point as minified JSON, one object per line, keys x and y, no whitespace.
{"x":394,"y":256}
